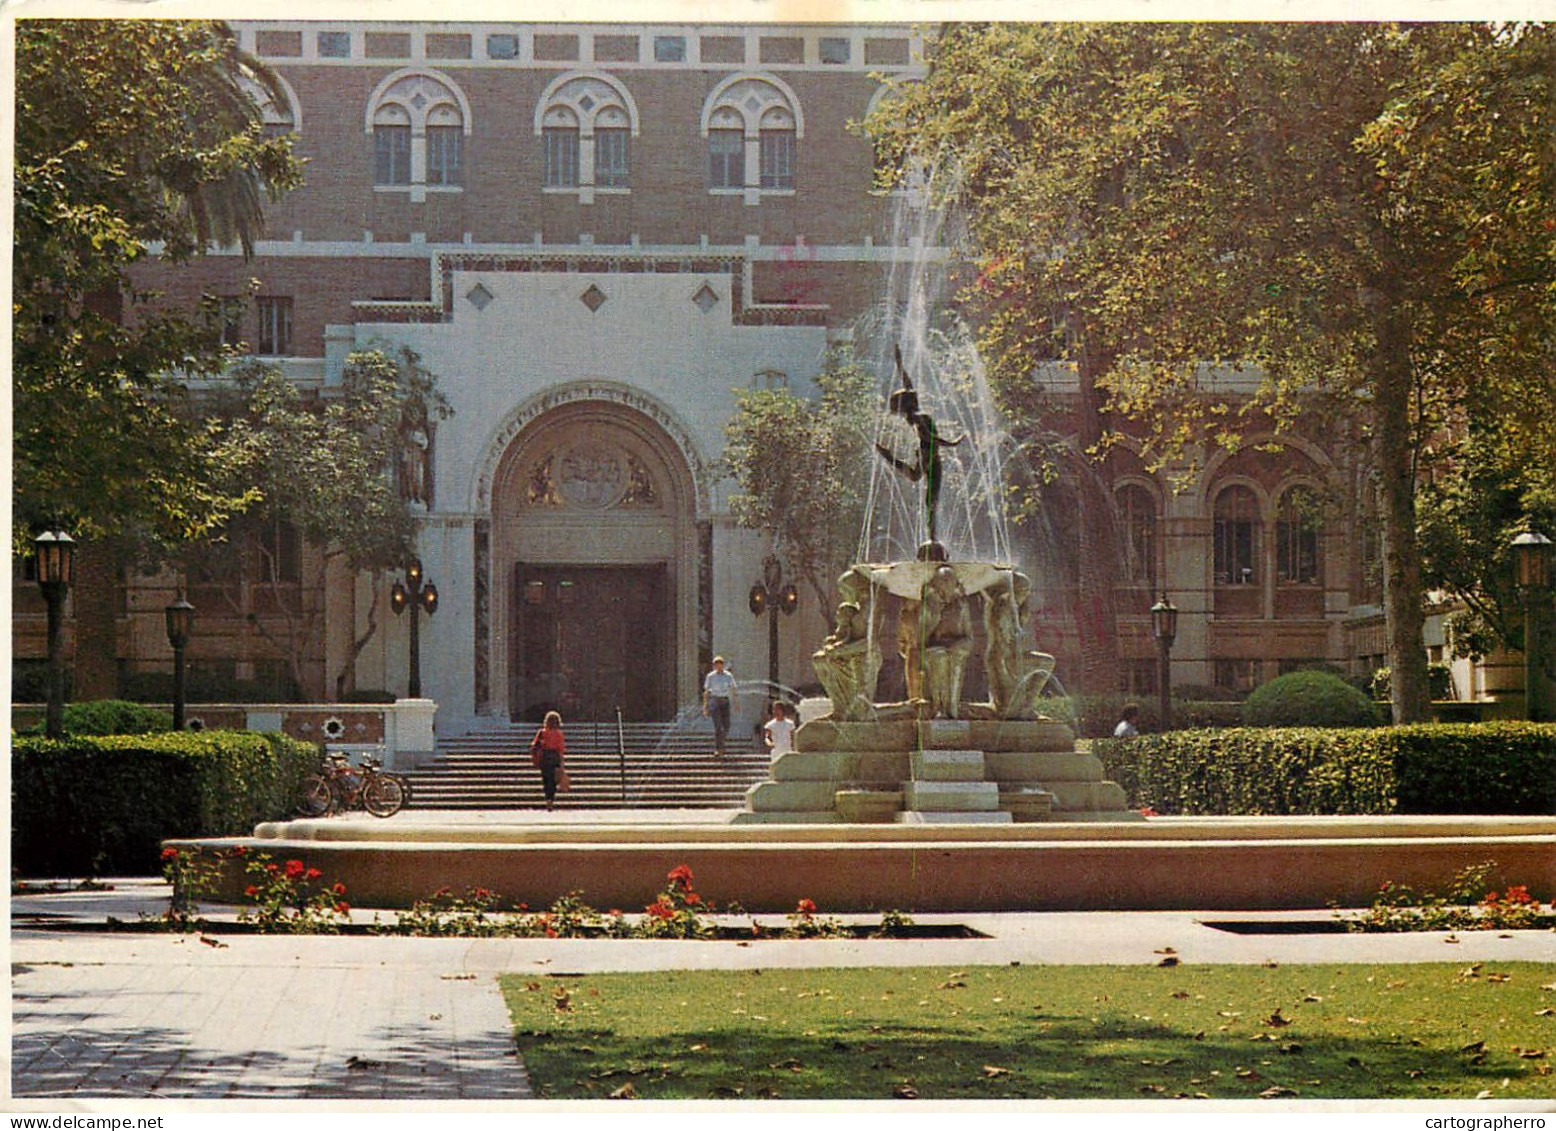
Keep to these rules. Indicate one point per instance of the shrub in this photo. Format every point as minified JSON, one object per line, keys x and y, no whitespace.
{"x":368,"y":695}
{"x":1503,"y":768}
{"x":96,"y":805}
{"x":1309,"y":698}
{"x":114,"y":716}
{"x":1439,"y":682}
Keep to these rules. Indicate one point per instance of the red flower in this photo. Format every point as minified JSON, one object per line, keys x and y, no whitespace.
{"x":681,"y":876}
{"x":339,"y":889}
{"x":482,"y":893}
{"x":170,"y":854}
{"x":659,"y":909}
{"x":1149,"y":812}
{"x":550,"y":932}
{"x":1519,"y":893}
{"x":272,"y":867}
{"x":251,"y":891}
{"x":342,"y":907}
{"x":312,"y":874}
{"x":238,"y":850}
{"x":614,"y":912}
{"x":806,"y":907}
{"x":294,"y":869}
{"x":693,"y":897}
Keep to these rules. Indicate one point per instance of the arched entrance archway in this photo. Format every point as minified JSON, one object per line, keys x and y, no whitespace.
{"x":593,"y":566}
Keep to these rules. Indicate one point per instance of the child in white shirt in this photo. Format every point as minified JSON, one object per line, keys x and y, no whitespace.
{"x":778,"y":731}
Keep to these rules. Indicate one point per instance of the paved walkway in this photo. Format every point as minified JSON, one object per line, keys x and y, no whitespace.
{"x":106,"y":1014}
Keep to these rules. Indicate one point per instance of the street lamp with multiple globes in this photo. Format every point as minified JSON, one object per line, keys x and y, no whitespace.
{"x":56,"y":559}
{"x":417,"y":595}
{"x":1164,"y":626}
{"x":1532,"y":551}
{"x":771,"y":595}
{"x":180,"y":624}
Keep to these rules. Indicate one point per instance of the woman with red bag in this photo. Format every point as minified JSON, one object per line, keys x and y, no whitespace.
{"x":546,"y":752}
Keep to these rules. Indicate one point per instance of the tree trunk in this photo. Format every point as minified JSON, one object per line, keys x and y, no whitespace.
{"x":1393,"y":443}
{"x":95,"y":600}
{"x":1096,"y":612}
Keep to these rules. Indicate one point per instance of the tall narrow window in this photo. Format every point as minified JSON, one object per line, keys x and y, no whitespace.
{"x":1296,"y":538}
{"x":612,"y":152}
{"x":560,"y":152}
{"x":1137,"y":512}
{"x":392,"y":154}
{"x":445,"y":148}
{"x":1237,"y":537}
{"x":777,"y":159}
{"x":726,"y":159}
{"x":275,"y":325}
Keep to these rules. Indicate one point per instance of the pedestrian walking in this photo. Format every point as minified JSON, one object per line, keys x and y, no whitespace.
{"x":1127,"y":725}
{"x":778,"y":732}
{"x":546,"y":751}
{"x":718,"y":691}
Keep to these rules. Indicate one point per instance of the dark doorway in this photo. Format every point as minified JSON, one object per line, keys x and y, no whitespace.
{"x":585,"y":640}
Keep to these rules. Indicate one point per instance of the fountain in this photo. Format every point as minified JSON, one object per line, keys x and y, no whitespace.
{"x":935,"y":756}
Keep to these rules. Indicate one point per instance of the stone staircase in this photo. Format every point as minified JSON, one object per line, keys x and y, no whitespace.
{"x":668,"y":766}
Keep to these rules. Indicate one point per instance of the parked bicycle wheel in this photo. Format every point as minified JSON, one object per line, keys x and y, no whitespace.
{"x":382,"y":796}
{"x":405,"y":788}
{"x":317,"y":799}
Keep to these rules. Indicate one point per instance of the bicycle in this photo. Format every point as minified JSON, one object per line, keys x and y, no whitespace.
{"x":340,"y":786}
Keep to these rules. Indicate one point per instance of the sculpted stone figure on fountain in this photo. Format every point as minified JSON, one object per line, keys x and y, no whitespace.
{"x":848,"y":663}
{"x":1016,"y":676}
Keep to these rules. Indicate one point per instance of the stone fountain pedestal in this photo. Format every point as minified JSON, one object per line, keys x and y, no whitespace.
{"x":936,"y":770}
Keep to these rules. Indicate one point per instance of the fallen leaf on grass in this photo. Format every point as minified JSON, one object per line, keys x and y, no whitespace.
{"x":1499,"y":977}
{"x":1542,"y":1069}
{"x":1179,"y":994}
{"x":1248,"y":1074}
{"x":1277,"y":1092}
{"x":904,"y":1092}
{"x":1474,"y":1046}
{"x":1152,"y":1088}
{"x":697,"y":1048}
{"x":625,"y":1092}
{"x":1547,"y":1012}
{"x":953,"y":985}
{"x":1549,"y":986}
{"x":1451,"y":939}
{"x":1291,"y":1046}
{"x":1532,"y":1054}
{"x":1484,"y":1094}
{"x":1275,"y":1020}
{"x":791,"y":1064}
{"x":993,"y":1070}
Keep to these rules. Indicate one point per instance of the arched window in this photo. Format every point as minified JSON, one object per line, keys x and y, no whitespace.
{"x":278,"y":117}
{"x":1137,"y":514}
{"x":1296,"y":537}
{"x":419,"y":122}
{"x":586,"y":123}
{"x":753,"y":125}
{"x":1237,"y":537}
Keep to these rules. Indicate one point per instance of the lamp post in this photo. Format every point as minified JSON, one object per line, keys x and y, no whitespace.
{"x":1164,"y":626}
{"x":56,"y":557}
{"x":180,"y":623}
{"x":1532,"y":551}
{"x":770,"y":595}
{"x":417,"y":594}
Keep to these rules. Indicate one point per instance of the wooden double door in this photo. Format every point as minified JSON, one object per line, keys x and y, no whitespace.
{"x":585,"y":640}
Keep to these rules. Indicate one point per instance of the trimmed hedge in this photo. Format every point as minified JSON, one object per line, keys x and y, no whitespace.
{"x":101,"y":805}
{"x":113,"y":716}
{"x":1491,"y":768}
{"x":1310,"y":699}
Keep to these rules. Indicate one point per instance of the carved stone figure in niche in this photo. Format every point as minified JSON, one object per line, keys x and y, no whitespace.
{"x":848,"y":663}
{"x":1016,"y":677}
{"x":415,"y":459}
{"x":942,"y":621}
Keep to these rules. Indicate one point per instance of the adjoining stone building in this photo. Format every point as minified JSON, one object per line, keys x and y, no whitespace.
{"x":593,"y":234}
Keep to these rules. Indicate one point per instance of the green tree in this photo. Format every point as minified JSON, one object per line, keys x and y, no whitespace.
{"x":1358,"y":213}
{"x":128,"y":133}
{"x":326,"y":466}
{"x":803,"y":468}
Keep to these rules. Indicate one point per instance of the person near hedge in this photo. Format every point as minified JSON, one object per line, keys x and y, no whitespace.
{"x":1127,"y":725}
{"x":546,"y":752}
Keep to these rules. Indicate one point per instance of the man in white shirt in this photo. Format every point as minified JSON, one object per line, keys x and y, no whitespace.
{"x":718,"y":691}
{"x":778,"y":731}
{"x":1126,"y":726}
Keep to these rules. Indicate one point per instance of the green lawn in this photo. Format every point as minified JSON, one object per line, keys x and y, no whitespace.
{"x":1063,"y":1032}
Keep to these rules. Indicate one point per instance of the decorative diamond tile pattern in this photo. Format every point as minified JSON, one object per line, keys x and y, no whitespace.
{"x":705,"y":299}
{"x":593,"y":298}
{"x":587,"y":102}
{"x":479,"y":297}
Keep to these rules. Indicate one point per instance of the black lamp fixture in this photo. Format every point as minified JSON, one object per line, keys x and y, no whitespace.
{"x":416,"y":594}
{"x":771,"y":595}
{"x":56,"y":560}
{"x":1532,"y":553}
{"x":180,"y":617}
{"x":1164,"y":627}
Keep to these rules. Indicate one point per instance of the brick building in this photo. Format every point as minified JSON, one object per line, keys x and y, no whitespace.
{"x":592,"y":234}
